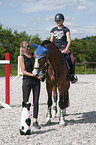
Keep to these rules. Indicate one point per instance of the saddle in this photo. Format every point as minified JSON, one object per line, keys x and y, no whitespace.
{"x":68,"y":61}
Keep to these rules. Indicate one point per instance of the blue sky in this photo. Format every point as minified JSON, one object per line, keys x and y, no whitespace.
{"x":37,"y":16}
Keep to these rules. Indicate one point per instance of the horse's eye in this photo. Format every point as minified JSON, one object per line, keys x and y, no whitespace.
{"x":41,"y":59}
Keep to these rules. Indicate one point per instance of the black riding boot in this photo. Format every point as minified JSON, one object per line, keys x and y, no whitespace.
{"x":73,"y":78}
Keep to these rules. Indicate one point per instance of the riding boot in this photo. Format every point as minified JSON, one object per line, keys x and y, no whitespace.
{"x":25,"y":119}
{"x":73,"y":78}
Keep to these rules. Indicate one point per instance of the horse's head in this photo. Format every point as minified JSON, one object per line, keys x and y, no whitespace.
{"x":40,"y":58}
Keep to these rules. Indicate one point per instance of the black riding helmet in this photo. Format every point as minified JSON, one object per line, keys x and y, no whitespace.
{"x":59,"y":16}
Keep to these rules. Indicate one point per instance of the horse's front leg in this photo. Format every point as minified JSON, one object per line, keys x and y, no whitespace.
{"x":54,"y":112}
{"x":49,"y":102}
{"x":63,"y":104}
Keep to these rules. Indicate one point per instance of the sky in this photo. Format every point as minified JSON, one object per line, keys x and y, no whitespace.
{"x":37,"y":16}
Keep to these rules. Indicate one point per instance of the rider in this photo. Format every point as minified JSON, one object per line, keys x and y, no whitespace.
{"x":60,"y":35}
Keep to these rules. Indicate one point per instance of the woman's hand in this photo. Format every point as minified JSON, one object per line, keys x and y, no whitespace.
{"x":39,"y":77}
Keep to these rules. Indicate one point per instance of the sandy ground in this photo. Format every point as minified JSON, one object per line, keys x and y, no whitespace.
{"x":80,"y":126}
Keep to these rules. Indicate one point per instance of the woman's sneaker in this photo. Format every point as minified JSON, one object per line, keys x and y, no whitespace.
{"x":36,"y":125}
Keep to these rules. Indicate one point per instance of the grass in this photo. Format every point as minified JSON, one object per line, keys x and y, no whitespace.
{"x":89,"y":70}
{"x":13,"y":71}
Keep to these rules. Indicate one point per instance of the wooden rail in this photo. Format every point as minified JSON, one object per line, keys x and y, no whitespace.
{"x":77,"y":64}
{"x":85,"y":63}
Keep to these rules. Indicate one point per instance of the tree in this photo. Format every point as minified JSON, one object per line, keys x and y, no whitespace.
{"x":82,"y":49}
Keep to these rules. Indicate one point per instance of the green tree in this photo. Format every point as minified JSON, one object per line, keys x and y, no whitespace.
{"x":82,"y":49}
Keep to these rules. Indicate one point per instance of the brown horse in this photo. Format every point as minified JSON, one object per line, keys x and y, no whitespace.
{"x":56,"y":74}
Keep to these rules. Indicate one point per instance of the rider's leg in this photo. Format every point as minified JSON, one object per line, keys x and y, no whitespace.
{"x":73,"y":78}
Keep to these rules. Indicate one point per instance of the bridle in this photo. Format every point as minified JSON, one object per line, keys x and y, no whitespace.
{"x":46,"y":67}
{"x":43,"y":67}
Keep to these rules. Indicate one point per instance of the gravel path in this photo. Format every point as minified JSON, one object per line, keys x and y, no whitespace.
{"x":80,"y":126}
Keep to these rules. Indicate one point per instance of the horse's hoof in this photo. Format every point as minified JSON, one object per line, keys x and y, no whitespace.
{"x":62,"y":124}
{"x":48,"y":122}
{"x":64,"y":112}
{"x":53,"y":114}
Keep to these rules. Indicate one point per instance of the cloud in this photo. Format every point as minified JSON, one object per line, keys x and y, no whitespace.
{"x":1,"y":3}
{"x":49,"y":18}
{"x":74,"y":31}
{"x":70,"y":19}
{"x":83,"y":31}
{"x":28,"y":1}
{"x":88,"y":5}
{"x":81,"y":7}
{"x":29,"y":6}
{"x":42,"y":22}
{"x":19,"y":26}
{"x":90,"y":29}
{"x":71,"y":24}
{"x":35,"y":21}
{"x":15,"y":27}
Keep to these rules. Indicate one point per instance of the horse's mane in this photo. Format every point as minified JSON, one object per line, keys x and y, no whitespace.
{"x":46,"y":42}
{"x":49,"y":42}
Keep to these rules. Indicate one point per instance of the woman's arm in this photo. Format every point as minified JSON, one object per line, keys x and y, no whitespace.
{"x":22,"y":65}
{"x":69,"y":42}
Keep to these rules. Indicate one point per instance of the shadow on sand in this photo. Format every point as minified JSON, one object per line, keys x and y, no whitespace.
{"x":87,"y":117}
{"x":41,"y":132}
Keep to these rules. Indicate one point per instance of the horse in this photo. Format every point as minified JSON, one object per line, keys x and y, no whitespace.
{"x":56,"y":74}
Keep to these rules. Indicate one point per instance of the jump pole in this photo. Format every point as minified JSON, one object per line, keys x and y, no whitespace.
{"x":7,"y":77}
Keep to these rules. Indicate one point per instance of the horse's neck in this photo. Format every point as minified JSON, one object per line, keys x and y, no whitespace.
{"x":55,"y":57}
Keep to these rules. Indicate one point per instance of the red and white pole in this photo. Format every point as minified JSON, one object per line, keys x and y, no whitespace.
{"x":7,"y":79}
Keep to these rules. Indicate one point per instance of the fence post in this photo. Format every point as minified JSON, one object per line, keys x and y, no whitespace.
{"x":85,"y":67}
{"x":7,"y":80}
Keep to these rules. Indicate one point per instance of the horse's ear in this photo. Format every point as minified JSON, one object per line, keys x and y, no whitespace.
{"x":34,"y":45}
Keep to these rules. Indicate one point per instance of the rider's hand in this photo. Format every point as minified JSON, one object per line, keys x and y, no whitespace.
{"x":64,"y":51}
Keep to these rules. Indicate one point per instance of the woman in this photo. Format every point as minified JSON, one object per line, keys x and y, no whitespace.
{"x":60,"y":35}
{"x":30,"y":82}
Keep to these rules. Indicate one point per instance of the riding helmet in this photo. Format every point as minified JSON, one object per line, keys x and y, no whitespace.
{"x":59,"y":16}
